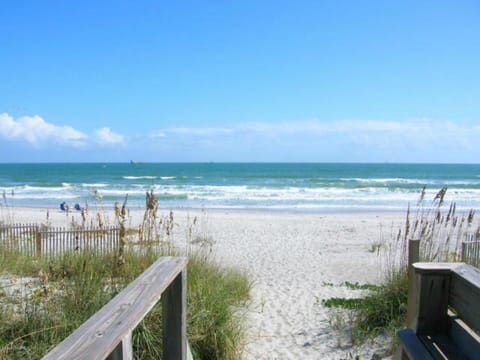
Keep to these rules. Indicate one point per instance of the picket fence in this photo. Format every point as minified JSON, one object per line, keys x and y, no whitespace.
{"x":38,"y":240}
{"x":471,"y":250}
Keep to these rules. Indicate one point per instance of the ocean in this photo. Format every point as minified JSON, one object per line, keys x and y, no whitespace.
{"x":312,"y":187}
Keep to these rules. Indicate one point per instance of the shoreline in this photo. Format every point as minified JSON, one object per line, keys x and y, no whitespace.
{"x":293,"y":260}
{"x":261,"y":210}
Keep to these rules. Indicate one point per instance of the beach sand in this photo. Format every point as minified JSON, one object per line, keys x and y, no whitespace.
{"x":294,"y":260}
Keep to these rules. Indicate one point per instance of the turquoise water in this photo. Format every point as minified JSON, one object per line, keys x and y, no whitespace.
{"x":304,"y":187}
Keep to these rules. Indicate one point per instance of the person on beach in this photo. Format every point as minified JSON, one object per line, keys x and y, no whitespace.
{"x":64,"y":206}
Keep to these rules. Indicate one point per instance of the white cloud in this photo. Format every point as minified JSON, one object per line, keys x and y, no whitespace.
{"x":345,"y":140}
{"x":424,"y":127}
{"x":201,"y":131}
{"x":312,"y":140}
{"x":37,"y":131}
{"x":157,"y":134}
{"x":348,"y":126}
{"x":105,"y":136}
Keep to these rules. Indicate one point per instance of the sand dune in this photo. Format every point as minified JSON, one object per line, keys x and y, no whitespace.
{"x":294,"y":260}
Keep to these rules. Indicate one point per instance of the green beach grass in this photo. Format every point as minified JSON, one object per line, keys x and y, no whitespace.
{"x":43,"y":300}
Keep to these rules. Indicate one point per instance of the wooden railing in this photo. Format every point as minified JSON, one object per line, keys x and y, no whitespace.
{"x":34,"y":240}
{"x":108,"y":333}
{"x":445,"y":321}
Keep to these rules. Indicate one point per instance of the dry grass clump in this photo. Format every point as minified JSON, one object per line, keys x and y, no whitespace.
{"x":440,"y":231}
{"x":7,"y":208}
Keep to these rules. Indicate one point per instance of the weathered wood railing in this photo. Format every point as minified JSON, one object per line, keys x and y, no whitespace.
{"x":445,"y":318}
{"x":107,"y":334}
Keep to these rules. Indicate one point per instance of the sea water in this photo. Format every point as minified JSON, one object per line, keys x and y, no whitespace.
{"x":268,"y":186}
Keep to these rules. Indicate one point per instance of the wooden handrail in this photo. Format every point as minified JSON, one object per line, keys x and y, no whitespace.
{"x":107,"y":334}
{"x":446,"y":317}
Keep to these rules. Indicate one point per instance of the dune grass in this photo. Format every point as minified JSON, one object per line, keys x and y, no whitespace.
{"x":64,"y":292}
{"x":60,"y":293}
{"x":440,"y":231}
{"x":216,"y":327}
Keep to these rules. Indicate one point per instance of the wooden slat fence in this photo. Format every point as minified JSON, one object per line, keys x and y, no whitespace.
{"x":59,"y":241}
{"x":471,"y":250}
{"x":20,"y":237}
{"x":34,"y":240}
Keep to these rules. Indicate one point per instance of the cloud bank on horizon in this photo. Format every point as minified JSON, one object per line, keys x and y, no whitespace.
{"x":402,"y":141}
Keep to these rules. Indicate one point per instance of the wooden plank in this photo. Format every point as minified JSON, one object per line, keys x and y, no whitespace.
{"x":99,"y":335}
{"x":434,"y":267}
{"x":38,"y":242}
{"x":56,"y":235}
{"x":174,"y":315}
{"x":465,"y":294}
{"x":442,"y":347}
{"x":63,"y":239}
{"x":412,"y":345}
{"x":464,"y":337}
{"x":413,"y":257}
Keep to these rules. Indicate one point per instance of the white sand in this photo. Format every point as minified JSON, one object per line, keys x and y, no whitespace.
{"x":294,"y":261}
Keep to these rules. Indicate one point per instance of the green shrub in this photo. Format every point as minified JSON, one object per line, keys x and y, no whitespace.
{"x":385,"y":308}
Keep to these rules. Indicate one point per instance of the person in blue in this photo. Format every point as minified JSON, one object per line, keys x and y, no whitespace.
{"x":77,"y":207}
{"x":64,"y":206}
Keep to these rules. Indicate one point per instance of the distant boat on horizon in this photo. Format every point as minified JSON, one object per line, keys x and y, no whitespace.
{"x":133,"y":162}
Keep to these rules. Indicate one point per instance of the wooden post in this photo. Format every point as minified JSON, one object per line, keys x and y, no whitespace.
{"x":476,"y":255}
{"x":174,"y":315}
{"x":124,"y":350}
{"x":431,"y":298}
{"x":413,"y":257}
{"x":38,"y":242}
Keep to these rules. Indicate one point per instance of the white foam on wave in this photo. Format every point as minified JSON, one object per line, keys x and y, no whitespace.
{"x":388,"y":181}
{"x":99,"y":185}
{"x":248,"y":196}
{"x":36,"y":189}
{"x":122,"y":192}
{"x":146,"y":177}
{"x":462,"y":182}
{"x":45,"y":196}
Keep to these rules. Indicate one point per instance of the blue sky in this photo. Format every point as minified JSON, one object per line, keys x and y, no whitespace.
{"x":316,"y":81}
